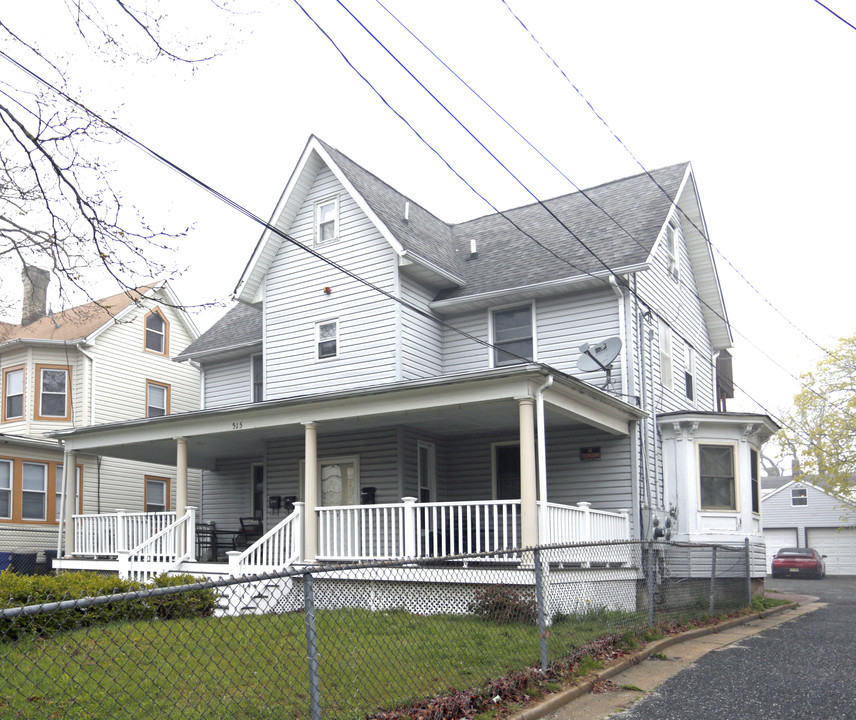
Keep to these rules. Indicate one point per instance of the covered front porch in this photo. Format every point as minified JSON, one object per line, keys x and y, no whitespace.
{"x":477,"y":463}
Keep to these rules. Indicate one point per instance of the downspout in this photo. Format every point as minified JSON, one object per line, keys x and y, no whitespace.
{"x":541,"y":429}
{"x":622,"y":333}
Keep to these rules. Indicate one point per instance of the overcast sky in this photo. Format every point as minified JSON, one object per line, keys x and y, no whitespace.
{"x":758,"y":95}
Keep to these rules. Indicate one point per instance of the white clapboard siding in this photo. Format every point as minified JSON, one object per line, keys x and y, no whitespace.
{"x":228,"y":383}
{"x":295,"y":301}
{"x":421,"y":337}
{"x":228,"y":492}
{"x":120,"y":484}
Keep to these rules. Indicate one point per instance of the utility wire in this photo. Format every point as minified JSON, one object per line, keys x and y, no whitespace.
{"x":645,"y":171}
{"x":828,"y":9}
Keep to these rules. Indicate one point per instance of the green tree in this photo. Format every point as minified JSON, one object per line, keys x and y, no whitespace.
{"x":820,"y":431}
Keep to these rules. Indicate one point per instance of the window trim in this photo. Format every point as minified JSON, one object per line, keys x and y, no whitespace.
{"x":735,"y":477}
{"x":667,"y":356}
{"x":671,"y":244}
{"x":755,"y":478}
{"x":44,"y":493}
{"x":494,"y":349}
{"x":257,"y":382}
{"x":58,"y":484}
{"x":37,"y":409}
{"x":167,"y":482}
{"x":6,"y":372}
{"x":318,"y":325}
{"x":690,"y":389}
{"x":160,"y":313}
{"x":804,"y":496}
{"x":10,"y":489}
{"x":317,"y":219}
{"x":167,"y":397}
{"x":17,"y":489}
{"x":430,"y":483}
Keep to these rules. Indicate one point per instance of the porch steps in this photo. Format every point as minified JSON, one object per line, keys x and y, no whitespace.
{"x":260,"y":597}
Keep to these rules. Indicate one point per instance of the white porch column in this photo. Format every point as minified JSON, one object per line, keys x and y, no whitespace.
{"x":180,"y":477}
{"x":310,"y":491}
{"x":528,"y":492}
{"x":69,"y":499}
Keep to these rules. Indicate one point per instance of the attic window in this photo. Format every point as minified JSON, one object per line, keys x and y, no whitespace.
{"x":672,"y":250}
{"x":326,"y":220}
{"x":799,"y":496}
{"x":513,"y":338}
{"x":157,"y":333}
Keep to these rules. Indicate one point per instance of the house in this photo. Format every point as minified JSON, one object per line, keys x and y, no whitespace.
{"x":797,"y":512}
{"x":102,"y":362}
{"x":391,"y":385}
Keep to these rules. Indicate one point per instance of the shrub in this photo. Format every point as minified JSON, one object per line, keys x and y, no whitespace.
{"x":503,"y":604}
{"x":22,"y":590}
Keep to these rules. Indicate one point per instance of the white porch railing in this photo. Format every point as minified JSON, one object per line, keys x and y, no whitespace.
{"x":109,"y":535}
{"x":278,"y":548}
{"x":161,"y":552}
{"x":569,"y":524}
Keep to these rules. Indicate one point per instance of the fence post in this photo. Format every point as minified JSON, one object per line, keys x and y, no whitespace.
{"x":541,"y":609}
{"x":584,"y":506}
{"x":748,"y":573}
{"x":409,"y":526}
{"x":713,"y":580}
{"x":121,"y":531}
{"x":311,"y":647}
{"x":650,"y":583}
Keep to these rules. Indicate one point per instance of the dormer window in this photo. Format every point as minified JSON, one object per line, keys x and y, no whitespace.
{"x":157,"y":333}
{"x":513,"y":338}
{"x":327,"y":220}
{"x":672,"y":233}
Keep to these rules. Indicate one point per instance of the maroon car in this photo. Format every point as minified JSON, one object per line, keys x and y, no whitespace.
{"x":797,"y":562}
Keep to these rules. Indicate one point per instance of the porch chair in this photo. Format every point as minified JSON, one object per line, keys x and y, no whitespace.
{"x":251,"y":530}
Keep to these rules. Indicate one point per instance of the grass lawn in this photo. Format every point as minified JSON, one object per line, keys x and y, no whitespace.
{"x":255,"y":667}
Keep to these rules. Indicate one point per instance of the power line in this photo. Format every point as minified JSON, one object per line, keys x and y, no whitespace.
{"x":828,"y":9}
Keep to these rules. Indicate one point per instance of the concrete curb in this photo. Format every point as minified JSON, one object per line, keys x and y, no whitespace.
{"x":553,"y":703}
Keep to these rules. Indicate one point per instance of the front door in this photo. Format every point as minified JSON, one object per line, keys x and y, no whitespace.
{"x":339,"y":482}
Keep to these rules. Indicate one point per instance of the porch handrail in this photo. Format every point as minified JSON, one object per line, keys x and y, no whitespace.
{"x":410,"y":529}
{"x":582,"y":523}
{"x":162,"y":551}
{"x":110,"y":534}
{"x":278,"y":548}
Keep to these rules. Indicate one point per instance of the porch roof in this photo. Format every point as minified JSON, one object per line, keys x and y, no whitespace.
{"x":450,"y":405}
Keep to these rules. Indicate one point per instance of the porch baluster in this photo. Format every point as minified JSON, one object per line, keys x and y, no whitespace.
{"x":409,"y":526}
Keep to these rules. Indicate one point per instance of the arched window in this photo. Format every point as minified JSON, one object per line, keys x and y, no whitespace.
{"x":157,"y":333}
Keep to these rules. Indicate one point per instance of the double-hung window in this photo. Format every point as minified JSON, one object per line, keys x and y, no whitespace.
{"x":717,"y":481}
{"x":13,"y":393}
{"x":157,"y":494}
{"x":157,"y":399}
{"x":799,"y":496}
{"x":666,"y":365}
{"x":327,"y":339}
{"x":258,"y":385}
{"x":672,"y":251}
{"x":327,"y":220}
{"x":513,"y":339}
{"x":689,"y":372}
{"x":54,"y":398}
{"x":34,"y":485}
{"x":5,"y":489}
{"x":157,"y":333}
{"x":60,"y":484}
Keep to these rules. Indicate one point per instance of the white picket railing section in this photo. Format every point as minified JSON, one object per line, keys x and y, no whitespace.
{"x":277,"y":549}
{"x":108,"y":535}
{"x":163,"y":551}
{"x":418,"y":530}
{"x":569,"y":524}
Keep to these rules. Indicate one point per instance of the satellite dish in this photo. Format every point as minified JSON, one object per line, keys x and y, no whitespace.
{"x":600,"y":356}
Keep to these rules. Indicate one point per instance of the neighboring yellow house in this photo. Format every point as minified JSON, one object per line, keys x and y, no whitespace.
{"x":101,"y":362}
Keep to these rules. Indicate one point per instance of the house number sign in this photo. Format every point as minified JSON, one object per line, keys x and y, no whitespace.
{"x":589,"y":453}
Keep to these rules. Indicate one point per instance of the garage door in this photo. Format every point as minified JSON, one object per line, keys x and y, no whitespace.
{"x":839,"y":545}
{"x":776,"y":538}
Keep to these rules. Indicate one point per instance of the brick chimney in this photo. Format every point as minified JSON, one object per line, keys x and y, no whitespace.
{"x":35,"y":297}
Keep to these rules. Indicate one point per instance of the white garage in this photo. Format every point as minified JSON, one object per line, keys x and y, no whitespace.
{"x":777,"y":538}
{"x":839,"y":546}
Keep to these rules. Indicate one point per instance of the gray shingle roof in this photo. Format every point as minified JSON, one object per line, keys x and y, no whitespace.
{"x":508,"y":258}
{"x":240,"y":327}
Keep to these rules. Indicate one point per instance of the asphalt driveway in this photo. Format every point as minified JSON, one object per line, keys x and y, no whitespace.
{"x":798,"y":670}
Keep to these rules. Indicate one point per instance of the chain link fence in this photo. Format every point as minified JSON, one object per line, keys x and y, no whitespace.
{"x":387,"y":640}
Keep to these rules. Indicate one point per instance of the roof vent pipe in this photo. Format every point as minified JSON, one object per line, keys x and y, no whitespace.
{"x":407,"y":211}
{"x":474,"y":252}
